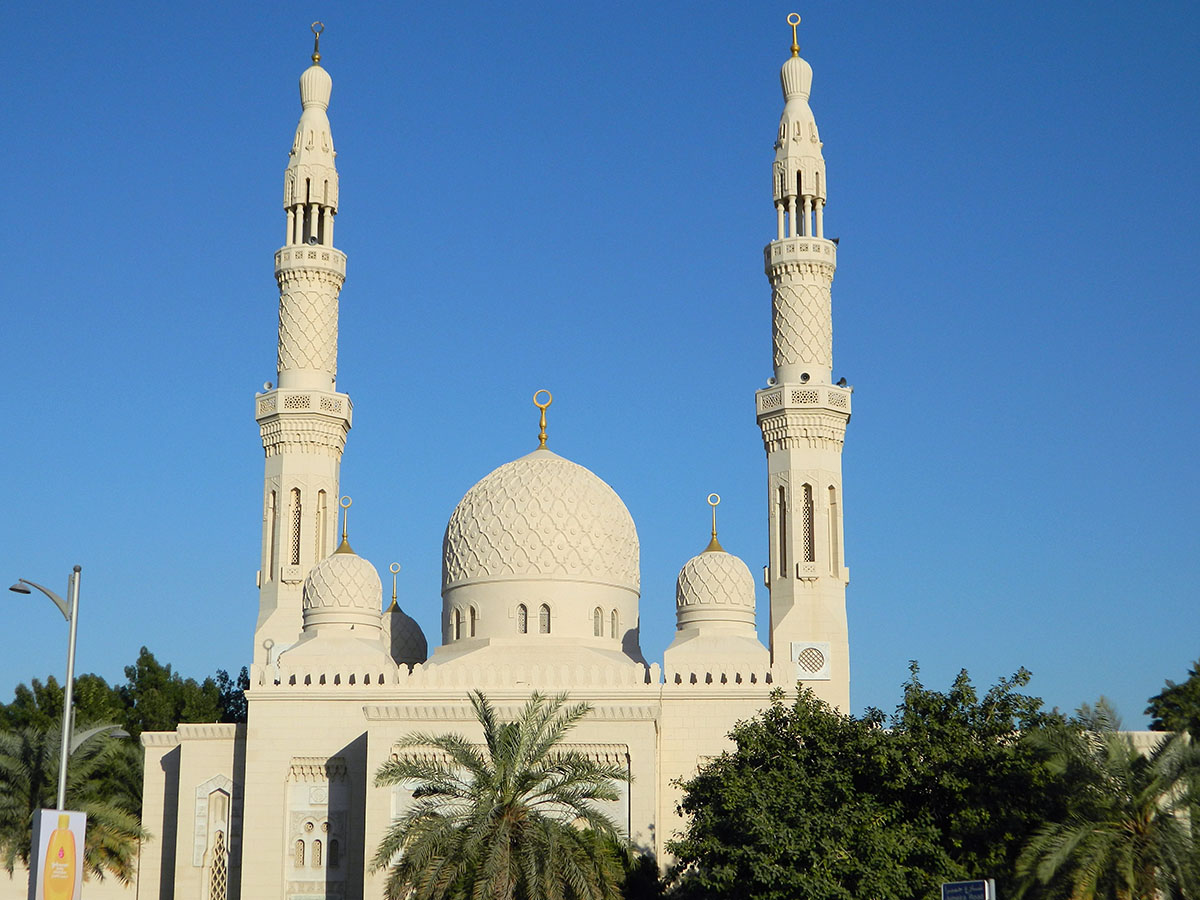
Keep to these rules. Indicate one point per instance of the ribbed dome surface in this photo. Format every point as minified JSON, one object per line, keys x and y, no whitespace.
{"x":315,"y":87}
{"x":541,"y":516}
{"x":343,"y":581}
{"x":796,"y":78}
{"x":715,"y":577}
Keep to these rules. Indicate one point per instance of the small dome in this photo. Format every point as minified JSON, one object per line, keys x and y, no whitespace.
{"x":315,"y":87}
{"x":796,"y":78}
{"x":714,"y":586}
{"x":407,"y":640}
{"x":541,"y":517}
{"x":342,"y":589}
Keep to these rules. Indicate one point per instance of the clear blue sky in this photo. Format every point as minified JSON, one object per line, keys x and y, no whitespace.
{"x":576,"y":197}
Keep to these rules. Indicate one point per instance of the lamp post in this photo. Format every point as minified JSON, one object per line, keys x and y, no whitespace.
{"x":71,"y":614}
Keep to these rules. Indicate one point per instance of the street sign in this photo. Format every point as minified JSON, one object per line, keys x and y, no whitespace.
{"x":969,"y":890}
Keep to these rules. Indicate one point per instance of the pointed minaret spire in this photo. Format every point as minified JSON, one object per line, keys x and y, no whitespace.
{"x":303,"y":419}
{"x":802,"y":414}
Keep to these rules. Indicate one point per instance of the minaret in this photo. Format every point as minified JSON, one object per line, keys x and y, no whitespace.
{"x":803,"y":415}
{"x":303,"y":420}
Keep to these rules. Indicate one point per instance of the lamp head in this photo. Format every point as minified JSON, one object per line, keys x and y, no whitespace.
{"x":19,"y":588}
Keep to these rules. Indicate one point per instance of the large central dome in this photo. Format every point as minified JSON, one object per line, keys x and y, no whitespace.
{"x":541,"y":516}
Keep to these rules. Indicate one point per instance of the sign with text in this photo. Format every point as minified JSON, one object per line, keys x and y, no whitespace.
{"x":56,"y":861}
{"x":969,"y":890}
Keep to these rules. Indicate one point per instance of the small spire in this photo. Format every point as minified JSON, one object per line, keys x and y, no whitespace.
{"x":317,"y":28}
{"x":793,"y":19}
{"x":344,"y":546}
{"x":714,"y":546}
{"x":394,"y":568}
{"x":542,"y":407}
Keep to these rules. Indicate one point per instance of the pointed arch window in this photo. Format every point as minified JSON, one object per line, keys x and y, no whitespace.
{"x":472,"y":615}
{"x":270,"y":548}
{"x":613,"y":624}
{"x":544,"y":619}
{"x":598,"y":622}
{"x":522,"y":619}
{"x":810,"y":549}
{"x":781,"y":516}
{"x":457,"y":624}
{"x":835,"y":549}
{"x":322,"y":526}
{"x":295,"y":554}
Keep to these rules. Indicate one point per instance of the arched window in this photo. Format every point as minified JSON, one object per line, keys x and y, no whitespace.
{"x":614,"y":625}
{"x":810,"y":549}
{"x":472,"y":615}
{"x":544,"y":619}
{"x":835,"y":550}
{"x":522,"y":619}
{"x":598,"y":622}
{"x":298,"y":857}
{"x":322,"y":526}
{"x":334,"y":856}
{"x":295,"y":557}
{"x":270,"y":548}
{"x":316,"y":854}
{"x":781,"y":514}
{"x":457,"y":624}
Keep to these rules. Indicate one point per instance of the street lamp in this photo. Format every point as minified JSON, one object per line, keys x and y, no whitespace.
{"x":71,"y":614}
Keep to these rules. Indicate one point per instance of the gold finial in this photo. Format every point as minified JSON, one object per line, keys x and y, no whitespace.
{"x":394,"y":568}
{"x":714,"y":546}
{"x":344,"y":546}
{"x":542,"y":407}
{"x":793,"y":19}
{"x":317,"y":28}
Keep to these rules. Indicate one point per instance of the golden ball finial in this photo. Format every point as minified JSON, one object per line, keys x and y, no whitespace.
{"x":317,"y":29}
{"x":540,"y":404}
{"x":793,"y":19}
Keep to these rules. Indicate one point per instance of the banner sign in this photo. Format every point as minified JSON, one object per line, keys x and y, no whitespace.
{"x":969,"y":890}
{"x":56,"y":863}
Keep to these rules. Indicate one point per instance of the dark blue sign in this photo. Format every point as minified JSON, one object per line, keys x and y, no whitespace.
{"x":969,"y":890}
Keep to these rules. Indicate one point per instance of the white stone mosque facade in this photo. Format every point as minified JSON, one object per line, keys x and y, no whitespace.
{"x":540,"y":587}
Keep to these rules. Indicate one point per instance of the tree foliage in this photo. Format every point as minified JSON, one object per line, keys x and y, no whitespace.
{"x":818,"y":805}
{"x":1177,"y":706}
{"x":103,"y":780}
{"x":513,"y":819}
{"x":1127,"y":833}
{"x":153,"y":698}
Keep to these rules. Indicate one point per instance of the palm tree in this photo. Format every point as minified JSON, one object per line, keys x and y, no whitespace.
{"x":103,"y":780}
{"x":1128,"y":832}
{"x":512,"y":819}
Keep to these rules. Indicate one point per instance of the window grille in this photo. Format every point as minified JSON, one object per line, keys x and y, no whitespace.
{"x":544,"y":619}
{"x":522,"y":619}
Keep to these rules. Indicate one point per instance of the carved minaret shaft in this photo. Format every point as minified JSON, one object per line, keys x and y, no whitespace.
{"x":803,"y":415}
{"x":304,"y":420}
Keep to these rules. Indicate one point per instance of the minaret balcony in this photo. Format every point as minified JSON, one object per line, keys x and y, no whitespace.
{"x":800,"y":249}
{"x":309,"y":257}
{"x":779,"y":397}
{"x":324,"y":403}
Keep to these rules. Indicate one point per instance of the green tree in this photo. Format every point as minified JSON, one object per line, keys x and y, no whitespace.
{"x":1177,"y":706}
{"x":1127,"y":832}
{"x":513,"y":818}
{"x":103,"y":780}
{"x":818,"y":805}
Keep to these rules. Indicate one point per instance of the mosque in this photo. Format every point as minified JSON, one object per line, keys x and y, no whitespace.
{"x":540,"y":586}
